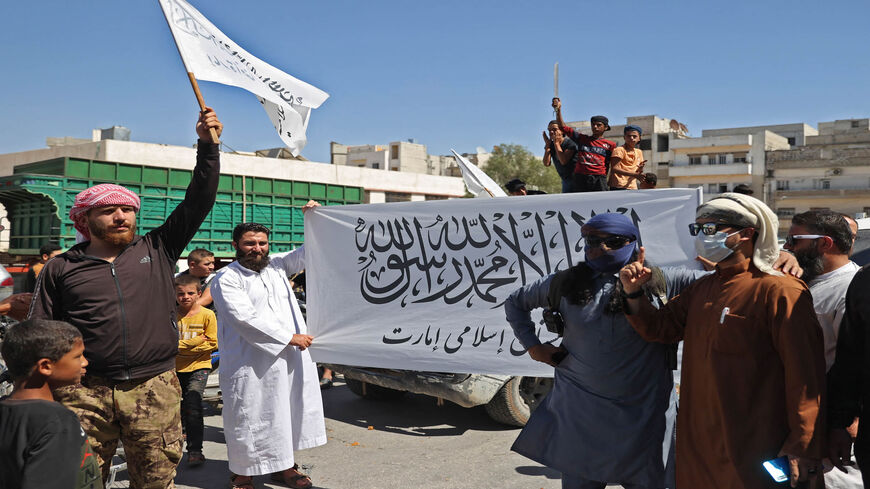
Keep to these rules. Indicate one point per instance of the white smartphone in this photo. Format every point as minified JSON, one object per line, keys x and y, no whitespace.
{"x":778,"y":469}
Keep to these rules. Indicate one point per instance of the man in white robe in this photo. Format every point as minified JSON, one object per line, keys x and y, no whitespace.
{"x":269,"y":384}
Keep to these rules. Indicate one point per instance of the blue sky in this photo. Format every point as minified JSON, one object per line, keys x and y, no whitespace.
{"x":448,"y":73}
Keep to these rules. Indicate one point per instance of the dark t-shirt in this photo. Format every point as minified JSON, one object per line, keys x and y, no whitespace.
{"x":566,"y":172}
{"x":43,"y":446}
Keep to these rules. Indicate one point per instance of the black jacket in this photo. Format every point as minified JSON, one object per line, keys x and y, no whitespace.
{"x":126,"y":309}
{"x":849,"y":378}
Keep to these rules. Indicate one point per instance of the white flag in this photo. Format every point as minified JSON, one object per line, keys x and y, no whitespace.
{"x":212,"y":56}
{"x":477,"y":181}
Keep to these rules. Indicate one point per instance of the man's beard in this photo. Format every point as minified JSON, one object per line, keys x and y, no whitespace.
{"x":114,"y":238}
{"x":811,"y":261}
{"x":253,"y":261}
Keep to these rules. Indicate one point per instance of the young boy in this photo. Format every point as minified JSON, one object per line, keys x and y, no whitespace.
{"x":593,"y":153}
{"x":626,"y":164}
{"x":197,"y":333}
{"x":42,"y":444}
{"x":200,"y":264}
{"x":562,"y":152}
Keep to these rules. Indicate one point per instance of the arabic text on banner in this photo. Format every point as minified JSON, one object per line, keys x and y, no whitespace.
{"x":421,"y":285}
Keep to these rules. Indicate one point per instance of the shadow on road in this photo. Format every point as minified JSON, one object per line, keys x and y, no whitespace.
{"x":413,"y":414}
{"x":539,"y":470}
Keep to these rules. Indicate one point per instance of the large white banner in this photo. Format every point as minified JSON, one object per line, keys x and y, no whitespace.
{"x":212,"y":56}
{"x":421,"y":285}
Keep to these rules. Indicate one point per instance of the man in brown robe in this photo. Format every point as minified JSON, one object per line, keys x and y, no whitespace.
{"x":753,"y":360}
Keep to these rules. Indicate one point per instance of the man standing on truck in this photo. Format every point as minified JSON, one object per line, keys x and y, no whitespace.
{"x":117,"y":288}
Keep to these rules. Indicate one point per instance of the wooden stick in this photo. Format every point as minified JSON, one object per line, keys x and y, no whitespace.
{"x":214,"y":136}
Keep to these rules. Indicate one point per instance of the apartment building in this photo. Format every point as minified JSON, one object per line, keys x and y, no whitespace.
{"x":831,"y":171}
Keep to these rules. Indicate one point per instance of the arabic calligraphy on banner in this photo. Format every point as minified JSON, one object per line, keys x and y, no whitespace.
{"x":421,"y":285}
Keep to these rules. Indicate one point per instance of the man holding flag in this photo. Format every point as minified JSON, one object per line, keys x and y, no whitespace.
{"x":117,"y":288}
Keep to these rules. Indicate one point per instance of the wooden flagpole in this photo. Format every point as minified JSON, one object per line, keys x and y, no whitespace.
{"x":195,"y":85}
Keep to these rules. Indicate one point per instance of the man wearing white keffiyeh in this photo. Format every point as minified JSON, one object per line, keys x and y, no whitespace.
{"x":753,"y":360}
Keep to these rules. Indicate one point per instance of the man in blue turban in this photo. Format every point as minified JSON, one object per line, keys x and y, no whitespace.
{"x":610,"y":415}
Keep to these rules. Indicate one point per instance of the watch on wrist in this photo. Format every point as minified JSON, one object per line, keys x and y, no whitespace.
{"x":633,"y":295}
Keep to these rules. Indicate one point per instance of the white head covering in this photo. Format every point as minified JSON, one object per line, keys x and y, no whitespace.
{"x":747,"y":211}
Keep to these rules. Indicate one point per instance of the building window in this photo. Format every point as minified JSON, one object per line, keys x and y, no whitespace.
{"x":855,"y":124}
{"x":820,"y":208}
{"x":785,"y":212}
{"x":376,"y":165}
{"x":663,"y":142}
{"x":867,"y":212}
{"x":792,"y":141}
{"x":723,"y":187}
{"x":739,"y":157}
{"x":694,"y":160}
{"x":664,"y":163}
{"x":397,"y":197}
{"x":645,"y":144}
{"x":436,"y":197}
{"x":825,"y":184}
{"x":723,"y":159}
{"x":394,"y":152}
{"x":711,"y":159}
{"x":782,"y":184}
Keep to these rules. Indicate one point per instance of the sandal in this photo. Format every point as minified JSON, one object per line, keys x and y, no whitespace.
{"x":293,"y":480}
{"x":241,"y":482}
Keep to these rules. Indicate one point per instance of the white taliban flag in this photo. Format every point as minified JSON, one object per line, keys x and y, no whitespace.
{"x":212,"y":56}
{"x":477,"y":181}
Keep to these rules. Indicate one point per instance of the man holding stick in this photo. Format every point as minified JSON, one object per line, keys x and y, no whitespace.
{"x":117,"y":288}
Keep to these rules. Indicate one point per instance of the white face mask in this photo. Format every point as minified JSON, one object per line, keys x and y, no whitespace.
{"x":713,"y":247}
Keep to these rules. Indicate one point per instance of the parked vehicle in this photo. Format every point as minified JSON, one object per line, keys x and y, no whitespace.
{"x":508,"y":400}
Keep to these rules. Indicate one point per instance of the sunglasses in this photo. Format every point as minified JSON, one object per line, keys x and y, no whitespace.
{"x":790,"y":239}
{"x":612,"y":242}
{"x":709,"y":228}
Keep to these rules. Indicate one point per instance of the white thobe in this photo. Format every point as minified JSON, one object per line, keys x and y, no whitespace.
{"x":829,"y":301}
{"x":270,"y":390}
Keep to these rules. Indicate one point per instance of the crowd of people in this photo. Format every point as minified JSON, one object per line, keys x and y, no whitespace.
{"x":774,"y":369}
{"x":117,"y":347}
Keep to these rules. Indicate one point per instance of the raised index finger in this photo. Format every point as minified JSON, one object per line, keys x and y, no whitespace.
{"x":641,"y":255}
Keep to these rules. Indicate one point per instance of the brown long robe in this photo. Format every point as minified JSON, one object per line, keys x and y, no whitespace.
{"x":753,"y":375}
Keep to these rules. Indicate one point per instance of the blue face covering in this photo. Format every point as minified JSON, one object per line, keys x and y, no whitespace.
{"x":612,"y":260}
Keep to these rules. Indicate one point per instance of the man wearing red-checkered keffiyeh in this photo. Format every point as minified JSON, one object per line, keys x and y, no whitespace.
{"x":108,"y":199}
{"x":116,"y":287}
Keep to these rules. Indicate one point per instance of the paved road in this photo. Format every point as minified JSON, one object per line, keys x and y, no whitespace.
{"x":413,"y":443}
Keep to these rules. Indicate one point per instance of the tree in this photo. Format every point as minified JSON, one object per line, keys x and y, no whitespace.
{"x":509,"y":161}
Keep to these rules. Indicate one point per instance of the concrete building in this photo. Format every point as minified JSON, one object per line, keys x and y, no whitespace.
{"x":831,"y":171}
{"x":719,"y":163}
{"x":402,"y":156}
{"x":795,"y":134}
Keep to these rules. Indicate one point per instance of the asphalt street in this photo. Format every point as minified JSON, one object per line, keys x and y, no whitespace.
{"x":407,"y":443}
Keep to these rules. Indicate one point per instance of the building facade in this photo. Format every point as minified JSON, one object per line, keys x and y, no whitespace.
{"x":831,"y":171}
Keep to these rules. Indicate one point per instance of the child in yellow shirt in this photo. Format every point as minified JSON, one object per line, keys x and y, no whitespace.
{"x":197,"y":339}
{"x":627,"y":161}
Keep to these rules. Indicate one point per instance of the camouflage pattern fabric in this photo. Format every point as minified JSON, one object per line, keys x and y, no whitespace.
{"x":143,"y":413}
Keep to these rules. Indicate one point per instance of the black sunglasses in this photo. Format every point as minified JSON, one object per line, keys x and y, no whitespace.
{"x":614,"y":242}
{"x":709,"y":228}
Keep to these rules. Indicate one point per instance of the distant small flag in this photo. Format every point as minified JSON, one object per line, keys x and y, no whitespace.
{"x":476,"y":180}
{"x":212,"y":56}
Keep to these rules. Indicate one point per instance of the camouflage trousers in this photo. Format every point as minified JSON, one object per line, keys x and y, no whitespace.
{"x":142,"y":413}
